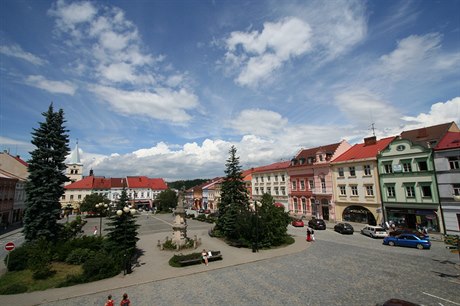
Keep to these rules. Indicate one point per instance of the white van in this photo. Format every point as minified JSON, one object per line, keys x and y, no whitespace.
{"x":374,"y":231}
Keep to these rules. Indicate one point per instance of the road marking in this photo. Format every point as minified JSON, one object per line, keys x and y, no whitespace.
{"x":440,"y":298}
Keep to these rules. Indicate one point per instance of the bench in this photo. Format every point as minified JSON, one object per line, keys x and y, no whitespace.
{"x":215,"y":255}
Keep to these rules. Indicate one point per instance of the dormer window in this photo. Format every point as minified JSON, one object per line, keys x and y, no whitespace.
{"x":293,"y":162}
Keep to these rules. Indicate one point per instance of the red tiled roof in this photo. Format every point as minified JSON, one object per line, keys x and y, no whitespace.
{"x":21,"y":161}
{"x":85,"y":183}
{"x":362,"y":151}
{"x":158,"y":184}
{"x":117,"y":182}
{"x":429,"y":136}
{"x":312,"y":152}
{"x":450,"y":141}
{"x":92,"y":182}
{"x":274,"y":166}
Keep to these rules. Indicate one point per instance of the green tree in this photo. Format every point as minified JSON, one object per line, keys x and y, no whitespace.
{"x":233,"y":208}
{"x":272,"y":223}
{"x":90,"y":201}
{"x":122,"y":232}
{"x":45,"y":184}
{"x":166,"y":199}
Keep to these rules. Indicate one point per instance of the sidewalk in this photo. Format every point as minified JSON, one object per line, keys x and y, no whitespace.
{"x":154,"y":267}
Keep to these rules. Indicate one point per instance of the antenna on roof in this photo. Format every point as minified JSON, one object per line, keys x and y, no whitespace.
{"x":373,"y":128}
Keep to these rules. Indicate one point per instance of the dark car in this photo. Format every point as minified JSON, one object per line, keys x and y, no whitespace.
{"x":317,"y":224}
{"x":344,"y":228}
{"x":408,"y":240}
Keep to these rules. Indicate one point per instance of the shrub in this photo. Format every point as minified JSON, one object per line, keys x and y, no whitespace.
{"x":175,"y":260}
{"x":39,"y":260}
{"x":79,"y":256}
{"x":14,"y":289}
{"x":18,"y":259}
{"x":100,"y":266}
{"x":169,"y":245}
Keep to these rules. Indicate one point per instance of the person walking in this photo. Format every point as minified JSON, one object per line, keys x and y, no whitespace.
{"x":308,"y":234}
{"x":109,"y":301}
{"x":204,"y":255}
{"x":125,"y":301}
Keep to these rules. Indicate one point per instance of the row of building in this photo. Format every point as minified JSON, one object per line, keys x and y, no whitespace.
{"x":412,"y":180}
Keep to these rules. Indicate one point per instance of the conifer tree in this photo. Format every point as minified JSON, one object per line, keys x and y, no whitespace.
{"x":233,"y":207}
{"x":45,"y":184}
{"x":122,"y":231}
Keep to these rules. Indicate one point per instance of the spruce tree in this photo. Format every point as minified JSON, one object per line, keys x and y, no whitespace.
{"x":233,"y":207}
{"x":45,"y":184}
{"x":122,"y":232}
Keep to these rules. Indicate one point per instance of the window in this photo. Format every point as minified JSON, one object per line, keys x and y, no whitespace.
{"x":304,"y":204}
{"x":276,"y":177}
{"x":406,"y":166}
{"x":283,"y":190}
{"x":277,"y":191}
{"x":262,"y":179}
{"x":294,"y":185}
{"x":454,"y":162}
{"x":387,"y":167}
{"x":282,"y":178}
{"x":456,"y":189}
{"x":370,"y":190}
{"x":63,"y":197}
{"x":323,"y":185}
{"x":79,"y":196}
{"x":391,"y":191}
{"x":257,"y":179}
{"x":269,"y":190}
{"x":341,"y":172}
{"x":71,"y":197}
{"x":410,"y":191}
{"x":312,"y":184}
{"x":426,"y":191}
{"x":352,"y":171}
{"x":268,"y":178}
{"x":354,"y":190}
{"x":256,"y":190}
{"x":302,"y":185}
{"x":367,"y":169}
{"x":343,"y":191}
{"x":422,"y":165}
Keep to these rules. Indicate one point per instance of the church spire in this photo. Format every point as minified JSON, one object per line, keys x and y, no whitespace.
{"x":75,"y":157}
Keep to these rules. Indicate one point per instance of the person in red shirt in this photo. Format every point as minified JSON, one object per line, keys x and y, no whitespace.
{"x":125,"y":301}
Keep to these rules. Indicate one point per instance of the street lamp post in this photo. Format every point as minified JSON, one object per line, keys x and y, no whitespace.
{"x":125,"y":213}
{"x":101,"y":208}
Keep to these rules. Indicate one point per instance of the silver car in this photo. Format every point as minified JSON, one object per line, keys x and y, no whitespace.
{"x":374,"y":231}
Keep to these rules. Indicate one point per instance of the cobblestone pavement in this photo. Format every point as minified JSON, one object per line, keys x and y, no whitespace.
{"x":334,"y":270}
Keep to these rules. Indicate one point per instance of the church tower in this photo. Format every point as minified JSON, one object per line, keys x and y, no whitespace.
{"x":74,"y":170}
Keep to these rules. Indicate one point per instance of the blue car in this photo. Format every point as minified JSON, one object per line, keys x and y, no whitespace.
{"x":408,"y":240}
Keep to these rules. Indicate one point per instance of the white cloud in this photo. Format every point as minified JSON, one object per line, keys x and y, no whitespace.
{"x":259,"y":122}
{"x":164,"y":104}
{"x":363,"y":108}
{"x":71,"y":15}
{"x":440,"y":112}
{"x":419,"y":57}
{"x":16,"y":51}
{"x":265,"y":51}
{"x":51,"y":86}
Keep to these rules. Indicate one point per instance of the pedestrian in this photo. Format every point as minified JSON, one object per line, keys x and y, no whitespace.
{"x":312,"y":235}
{"x":109,"y":301}
{"x":204,"y":255}
{"x":95,"y":230}
{"x":308,"y":234}
{"x":125,"y":301}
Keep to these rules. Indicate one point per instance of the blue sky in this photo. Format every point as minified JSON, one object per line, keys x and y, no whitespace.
{"x":164,"y":88}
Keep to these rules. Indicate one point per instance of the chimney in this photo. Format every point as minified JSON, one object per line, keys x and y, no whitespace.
{"x":91,"y":173}
{"x":370,"y":141}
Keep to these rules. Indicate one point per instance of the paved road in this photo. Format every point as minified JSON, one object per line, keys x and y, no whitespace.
{"x":334,"y":270}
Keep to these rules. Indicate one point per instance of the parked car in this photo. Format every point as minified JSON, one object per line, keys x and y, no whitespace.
{"x":344,"y":228}
{"x":400,"y":231}
{"x":408,"y":240}
{"x":298,"y":223}
{"x":374,"y":231}
{"x":317,"y":224}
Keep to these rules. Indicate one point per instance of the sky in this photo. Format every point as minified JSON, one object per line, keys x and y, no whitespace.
{"x":165,"y":88}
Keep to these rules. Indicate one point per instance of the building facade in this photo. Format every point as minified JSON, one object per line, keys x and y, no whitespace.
{"x":273,"y":180}
{"x":310,"y":176}
{"x":447,"y":165}
{"x":355,"y":179}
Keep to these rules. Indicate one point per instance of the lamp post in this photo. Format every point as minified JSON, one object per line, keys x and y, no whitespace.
{"x":255,"y":206}
{"x":125,"y":213}
{"x":101,"y":208}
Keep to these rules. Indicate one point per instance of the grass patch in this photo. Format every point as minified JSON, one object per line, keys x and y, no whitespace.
{"x":24,"y":281}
